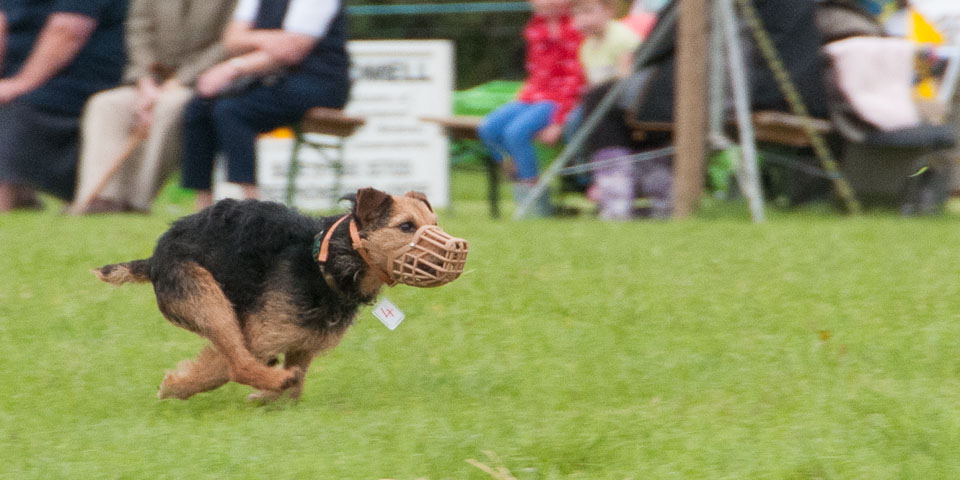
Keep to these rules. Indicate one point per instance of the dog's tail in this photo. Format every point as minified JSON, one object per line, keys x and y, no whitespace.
{"x":137,"y":271}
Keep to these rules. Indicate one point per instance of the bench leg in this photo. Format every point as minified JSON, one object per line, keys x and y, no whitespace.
{"x":294,"y":168}
{"x":493,"y":186}
{"x":337,"y":165}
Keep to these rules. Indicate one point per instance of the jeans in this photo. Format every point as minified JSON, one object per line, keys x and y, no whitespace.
{"x":511,"y":129}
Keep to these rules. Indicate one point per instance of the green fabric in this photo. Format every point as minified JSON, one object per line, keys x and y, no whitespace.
{"x":484,"y":98}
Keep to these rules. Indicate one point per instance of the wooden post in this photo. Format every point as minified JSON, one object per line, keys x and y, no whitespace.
{"x":690,"y":105}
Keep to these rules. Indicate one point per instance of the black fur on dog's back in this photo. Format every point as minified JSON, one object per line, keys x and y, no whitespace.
{"x":252,"y":248}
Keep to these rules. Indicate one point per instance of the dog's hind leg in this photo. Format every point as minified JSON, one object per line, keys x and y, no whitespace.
{"x":209,"y":371}
{"x":198,"y":303}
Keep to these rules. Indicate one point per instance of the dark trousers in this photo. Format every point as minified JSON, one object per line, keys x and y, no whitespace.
{"x":38,"y":148}
{"x":231,"y":123}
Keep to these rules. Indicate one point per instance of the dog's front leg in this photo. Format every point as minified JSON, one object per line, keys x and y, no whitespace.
{"x":292,"y":361}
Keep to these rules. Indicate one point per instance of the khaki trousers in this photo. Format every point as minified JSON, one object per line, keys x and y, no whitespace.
{"x":108,"y":121}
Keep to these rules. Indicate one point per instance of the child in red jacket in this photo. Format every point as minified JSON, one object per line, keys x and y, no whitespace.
{"x":553,"y":87}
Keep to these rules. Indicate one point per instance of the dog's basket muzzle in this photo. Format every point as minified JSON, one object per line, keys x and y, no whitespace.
{"x":431,"y":259}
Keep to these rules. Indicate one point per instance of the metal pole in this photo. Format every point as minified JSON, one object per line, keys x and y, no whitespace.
{"x":797,"y":106}
{"x":635,"y":158}
{"x":747,"y":172}
{"x":438,"y":8}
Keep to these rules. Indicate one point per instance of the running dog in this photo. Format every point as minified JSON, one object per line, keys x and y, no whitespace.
{"x":259,"y":280}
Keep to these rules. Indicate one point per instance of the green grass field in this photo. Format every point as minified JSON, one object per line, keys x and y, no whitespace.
{"x":812,"y":346}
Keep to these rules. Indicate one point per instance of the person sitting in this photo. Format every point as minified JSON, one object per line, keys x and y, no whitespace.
{"x":606,"y":54}
{"x":169,"y":43}
{"x":53,"y":56}
{"x":650,"y":96}
{"x":551,"y":90}
{"x":288,"y":57}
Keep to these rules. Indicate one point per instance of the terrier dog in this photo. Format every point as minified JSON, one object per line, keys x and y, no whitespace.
{"x":260,"y":280}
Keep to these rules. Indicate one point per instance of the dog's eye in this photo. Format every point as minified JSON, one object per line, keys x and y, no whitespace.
{"x":407,"y":226}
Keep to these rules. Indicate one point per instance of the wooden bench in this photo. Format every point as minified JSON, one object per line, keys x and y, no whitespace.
{"x":786,"y":129}
{"x":328,"y":122}
{"x":464,"y":127}
{"x":769,"y":127}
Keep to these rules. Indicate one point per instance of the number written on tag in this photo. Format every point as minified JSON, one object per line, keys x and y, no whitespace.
{"x":388,"y":313}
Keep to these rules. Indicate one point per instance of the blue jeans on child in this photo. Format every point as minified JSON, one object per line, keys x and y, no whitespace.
{"x":511,"y":130}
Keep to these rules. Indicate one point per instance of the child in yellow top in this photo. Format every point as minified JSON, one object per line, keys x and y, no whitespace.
{"x":607,"y":49}
{"x":606,"y":53}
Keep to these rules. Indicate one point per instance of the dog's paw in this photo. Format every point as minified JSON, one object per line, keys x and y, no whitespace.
{"x":295,"y":380}
{"x":290,"y":391}
{"x":175,"y":385}
{"x":166,"y":391}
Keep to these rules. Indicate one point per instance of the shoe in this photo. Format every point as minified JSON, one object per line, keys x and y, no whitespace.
{"x":32,"y":204}
{"x":540,"y":207}
{"x":102,"y":205}
{"x":19,"y":198}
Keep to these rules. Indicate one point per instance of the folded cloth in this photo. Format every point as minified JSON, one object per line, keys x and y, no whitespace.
{"x":875,"y":75}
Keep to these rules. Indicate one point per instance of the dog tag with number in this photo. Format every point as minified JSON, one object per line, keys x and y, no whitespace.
{"x":388,"y":313}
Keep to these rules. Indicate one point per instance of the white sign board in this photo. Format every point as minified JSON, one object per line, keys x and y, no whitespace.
{"x":395,"y":84}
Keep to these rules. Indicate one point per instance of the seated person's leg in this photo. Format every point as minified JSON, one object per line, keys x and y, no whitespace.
{"x":240,"y":119}
{"x":520,"y":135}
{"x":108,"y":121}
{"x":518,"y":139}
{"x":239,"y":143}
{"x":491,"y":129}
{"x":161,"y":151}
{"x":38,"y":150}
{"x":199,"y":149}
{"x":8,"y":196}
{"x":613,"y":185}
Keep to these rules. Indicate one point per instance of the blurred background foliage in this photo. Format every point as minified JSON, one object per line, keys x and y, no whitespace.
{"x":488,"y":45}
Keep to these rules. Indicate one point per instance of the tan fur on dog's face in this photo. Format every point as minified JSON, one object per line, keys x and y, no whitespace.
{"x":388,"y":222}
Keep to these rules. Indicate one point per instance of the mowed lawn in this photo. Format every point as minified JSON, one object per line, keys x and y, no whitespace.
{"x":812,"y":346}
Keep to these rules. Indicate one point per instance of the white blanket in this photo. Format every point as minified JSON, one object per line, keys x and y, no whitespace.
{"x":876,"y":75}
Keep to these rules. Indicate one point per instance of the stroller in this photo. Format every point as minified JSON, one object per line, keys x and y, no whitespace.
{"x":889,"y":153}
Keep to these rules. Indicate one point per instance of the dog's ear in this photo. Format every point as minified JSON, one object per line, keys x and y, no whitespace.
{"x":352,"y":198}
{"x":372,"y":205}
{"x":421,"y":197}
